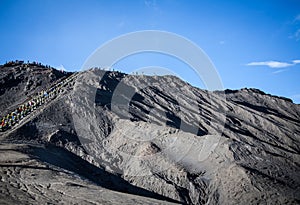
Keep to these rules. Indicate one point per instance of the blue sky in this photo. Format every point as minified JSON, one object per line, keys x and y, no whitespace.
{"x":253,"y":43}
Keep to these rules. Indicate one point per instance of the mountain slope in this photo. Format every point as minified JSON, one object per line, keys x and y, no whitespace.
{"x":20,"y":81}
{"x":168,"y":140}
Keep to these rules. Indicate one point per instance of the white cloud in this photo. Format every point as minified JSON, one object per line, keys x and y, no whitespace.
{"x":275,"y":64}
{"x":296,"y":61}
{"x":297,"y":35}
{"x":151,"y":4}
{"x":296,"y":30}
{"x":279,"y":71}
{"x":271,"y":64}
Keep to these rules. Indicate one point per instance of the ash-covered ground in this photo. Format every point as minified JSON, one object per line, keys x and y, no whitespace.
{"x":109,"y":138}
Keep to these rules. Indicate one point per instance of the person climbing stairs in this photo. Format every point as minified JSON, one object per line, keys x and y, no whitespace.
{"x":41,"y":98}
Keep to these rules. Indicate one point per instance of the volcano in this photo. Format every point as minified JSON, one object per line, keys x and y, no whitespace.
{"x":106,"y":137}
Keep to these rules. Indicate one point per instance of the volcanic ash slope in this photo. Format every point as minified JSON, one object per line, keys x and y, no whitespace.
{"x":158,"y":137}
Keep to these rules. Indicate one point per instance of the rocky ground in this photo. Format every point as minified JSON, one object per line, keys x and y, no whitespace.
{"x":113,"y":138}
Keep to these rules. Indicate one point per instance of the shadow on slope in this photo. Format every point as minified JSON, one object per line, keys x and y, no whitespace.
{"x":267,"y":111}
{"x":64,"y":159}
{"x":139,"y":106}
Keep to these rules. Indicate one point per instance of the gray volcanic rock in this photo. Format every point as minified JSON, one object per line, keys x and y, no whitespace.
{"x":20,"y":81}
{"x":33,"y":174}
{"x":156,"y":139}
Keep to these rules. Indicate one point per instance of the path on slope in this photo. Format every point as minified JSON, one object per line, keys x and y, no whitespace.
{"x":36,"y":107}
